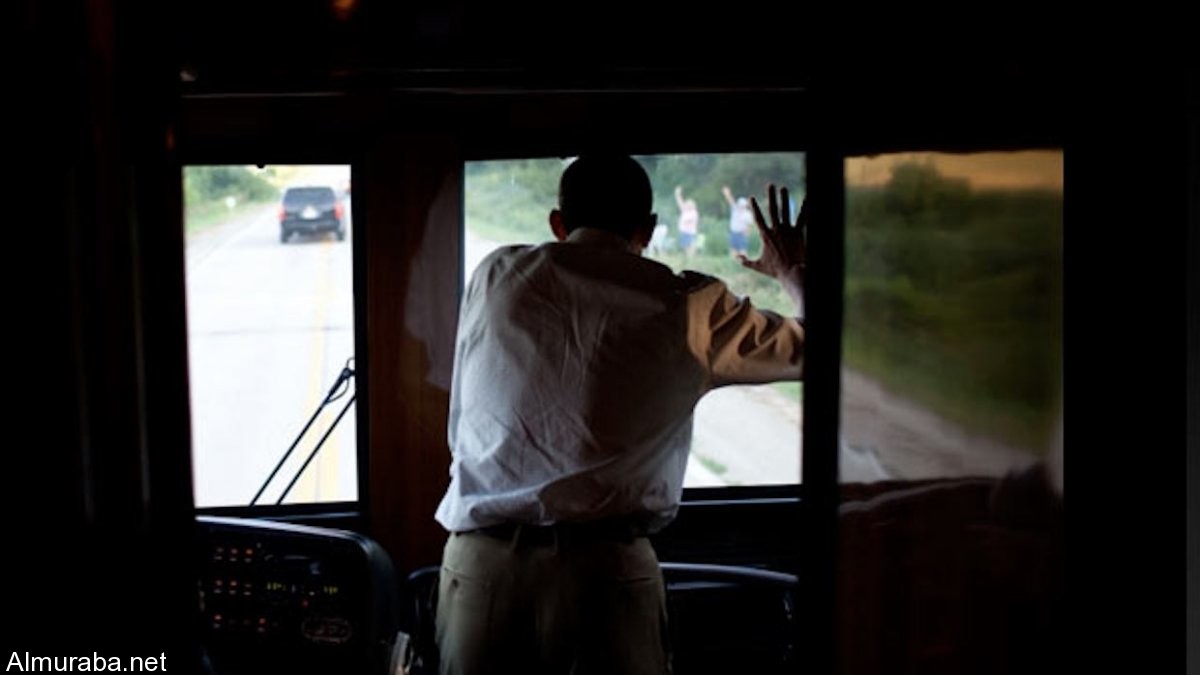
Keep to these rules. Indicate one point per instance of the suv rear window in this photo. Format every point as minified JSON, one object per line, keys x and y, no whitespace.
{"x":313,"y":195}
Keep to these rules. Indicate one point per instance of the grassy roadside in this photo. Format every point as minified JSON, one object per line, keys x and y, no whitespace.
{"x":200,"y":217}
{"x":949,"y":392}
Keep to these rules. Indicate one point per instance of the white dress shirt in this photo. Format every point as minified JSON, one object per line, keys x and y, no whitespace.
{"x":576,"y":370}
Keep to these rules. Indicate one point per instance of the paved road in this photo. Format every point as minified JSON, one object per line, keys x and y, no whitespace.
{"x":270,"y":326}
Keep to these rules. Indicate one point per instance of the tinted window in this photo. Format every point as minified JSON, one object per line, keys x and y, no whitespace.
{"x":303,"y":196}
{"x":953,"y":314}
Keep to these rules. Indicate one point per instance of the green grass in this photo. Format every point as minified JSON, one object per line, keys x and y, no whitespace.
{"x":792,"y":390}
{"x":951,"y":389}
{"x":526,"y":228}
{"x":711,"y":464}
{"x":199,"y":217}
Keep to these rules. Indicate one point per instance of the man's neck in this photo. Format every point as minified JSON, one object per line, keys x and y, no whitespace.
{"x":596,"y":237}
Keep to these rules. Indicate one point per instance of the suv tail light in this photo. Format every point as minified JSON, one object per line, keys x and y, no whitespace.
{"x":337,"y":211}
{"x":282,"y":214}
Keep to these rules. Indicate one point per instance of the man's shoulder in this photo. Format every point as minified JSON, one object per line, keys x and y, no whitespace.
{"x":502,"y":256}
{"x":692,"y":281}
{"x":661,"y":277}
{"x":636,"y":269}
{"x":506,"y":251}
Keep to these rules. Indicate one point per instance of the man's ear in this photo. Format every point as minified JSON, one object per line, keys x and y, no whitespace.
{"x":557,"y":225}
{"x":640,"y":238}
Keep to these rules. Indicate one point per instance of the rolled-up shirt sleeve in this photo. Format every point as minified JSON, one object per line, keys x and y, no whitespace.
{"x":739,"y":343}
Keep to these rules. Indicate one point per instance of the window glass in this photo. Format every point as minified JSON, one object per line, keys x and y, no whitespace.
{"x":953,"y":314}
{"x":745,"y":435}
{"x":270,"y":329}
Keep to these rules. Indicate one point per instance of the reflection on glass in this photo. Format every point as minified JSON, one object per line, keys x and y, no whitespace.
{"x":742,"y":435}
{"x":270,"y":327}
{"x":953,"y":313}
{"x":950,"y":522}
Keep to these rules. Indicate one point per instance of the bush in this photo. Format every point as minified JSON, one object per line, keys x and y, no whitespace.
{"x":205,"y":184}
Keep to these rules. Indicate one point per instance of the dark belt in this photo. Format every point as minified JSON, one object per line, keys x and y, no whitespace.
{"x":613,"y":529}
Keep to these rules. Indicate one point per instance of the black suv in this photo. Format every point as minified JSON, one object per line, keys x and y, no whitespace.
{"x":310,"y":210}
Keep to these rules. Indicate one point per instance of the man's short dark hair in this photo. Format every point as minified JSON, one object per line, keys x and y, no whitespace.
{"x":605,"y":191}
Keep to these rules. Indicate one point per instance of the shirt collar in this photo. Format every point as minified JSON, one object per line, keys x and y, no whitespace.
{"x":595,"y":237}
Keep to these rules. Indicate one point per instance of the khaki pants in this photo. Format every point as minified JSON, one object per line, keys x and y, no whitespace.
{"x":576,"y":606}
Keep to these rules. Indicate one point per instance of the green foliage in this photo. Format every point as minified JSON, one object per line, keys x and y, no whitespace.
{"x":204,"y":184}
{"x":953,"y":296}
{"x":923,"y":199}
{"x":205,"y":189}
{"x":703,"y":176}
{"x":510,"y":200}
{"x":513,"y":197}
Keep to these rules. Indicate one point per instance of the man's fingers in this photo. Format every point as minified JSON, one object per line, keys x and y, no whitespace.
{"x":785,"y":208}
{"x":755,"y":265}
{"x":759,"y":220}
{"x":773,"y":205}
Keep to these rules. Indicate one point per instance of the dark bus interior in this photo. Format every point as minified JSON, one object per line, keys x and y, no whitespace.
{"x":961,"y":573}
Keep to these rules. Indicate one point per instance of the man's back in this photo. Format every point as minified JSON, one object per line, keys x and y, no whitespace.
{"x":577,"y":367}
{"x":574,"y":385}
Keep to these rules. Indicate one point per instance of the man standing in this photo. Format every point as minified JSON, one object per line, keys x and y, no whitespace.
{"x":577,"y":367}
